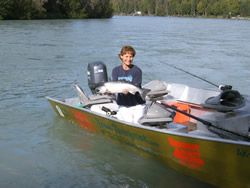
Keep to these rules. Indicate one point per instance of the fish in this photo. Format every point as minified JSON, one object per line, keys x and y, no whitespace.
{"x":121,"y":87}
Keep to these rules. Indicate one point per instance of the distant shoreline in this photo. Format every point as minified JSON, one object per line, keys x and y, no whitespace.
{"x":186,"y":16}
{"x":122,"y":14}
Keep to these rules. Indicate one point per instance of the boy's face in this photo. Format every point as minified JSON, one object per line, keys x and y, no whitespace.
{"x":127,"y":58}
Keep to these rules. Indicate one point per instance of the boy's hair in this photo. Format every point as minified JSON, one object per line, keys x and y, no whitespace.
{"x":126,"y":49}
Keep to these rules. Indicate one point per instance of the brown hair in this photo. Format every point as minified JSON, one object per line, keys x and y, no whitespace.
{"x":127,"y":49}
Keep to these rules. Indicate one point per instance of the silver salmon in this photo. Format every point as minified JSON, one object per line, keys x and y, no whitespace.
{"x":121,"y":87}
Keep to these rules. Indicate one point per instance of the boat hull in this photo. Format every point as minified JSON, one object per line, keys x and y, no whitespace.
{"x":215,"y":161}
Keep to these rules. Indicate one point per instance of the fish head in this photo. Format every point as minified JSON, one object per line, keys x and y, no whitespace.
{"x":101,"y":89}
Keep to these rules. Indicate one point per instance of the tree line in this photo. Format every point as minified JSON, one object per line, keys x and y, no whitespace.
{"x":55,"y":9}
{"x":58,"y":9}
{"x":206,"y":8}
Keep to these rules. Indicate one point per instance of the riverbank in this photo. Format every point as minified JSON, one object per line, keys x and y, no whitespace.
{"x":186,"y":16}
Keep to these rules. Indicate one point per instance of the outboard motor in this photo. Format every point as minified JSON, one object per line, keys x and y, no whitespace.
{"x":97,"y":75}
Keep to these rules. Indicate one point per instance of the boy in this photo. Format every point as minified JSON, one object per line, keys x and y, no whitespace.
{"x":131,"y":106}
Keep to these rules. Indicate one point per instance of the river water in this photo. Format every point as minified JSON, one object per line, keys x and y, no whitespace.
{"x":46,"y":57}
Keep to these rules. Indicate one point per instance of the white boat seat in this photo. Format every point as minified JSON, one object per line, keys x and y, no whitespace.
{"x":92,"y":100}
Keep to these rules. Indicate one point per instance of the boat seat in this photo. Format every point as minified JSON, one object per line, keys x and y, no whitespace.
{"x":157,"y":90}
{"x":155,"y":114}
{"x":155,"y":121}
{"x":92,"y":100}
{"x":157,"y":95}
{"x":226,"y":101}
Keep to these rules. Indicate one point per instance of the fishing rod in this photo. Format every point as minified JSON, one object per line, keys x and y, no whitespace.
{"x":209,"y":124}
{"x":192,"y":74}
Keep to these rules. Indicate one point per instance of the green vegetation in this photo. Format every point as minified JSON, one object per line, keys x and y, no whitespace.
{"x":51,"y":9}
{"x":206,"y":8}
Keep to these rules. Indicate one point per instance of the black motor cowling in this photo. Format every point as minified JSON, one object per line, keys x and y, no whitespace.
{"x":97,"y":75}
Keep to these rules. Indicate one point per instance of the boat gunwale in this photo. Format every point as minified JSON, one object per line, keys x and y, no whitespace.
{"x":164,"y":131}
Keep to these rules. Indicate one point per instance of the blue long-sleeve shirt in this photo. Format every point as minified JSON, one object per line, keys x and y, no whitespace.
{"x":133,"y":76}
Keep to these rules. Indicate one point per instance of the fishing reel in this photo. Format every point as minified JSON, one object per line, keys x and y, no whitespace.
{"x":225,"y":87}
{"x":108,"y":111}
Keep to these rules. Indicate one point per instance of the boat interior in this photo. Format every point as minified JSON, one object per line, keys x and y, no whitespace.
{"x":180,"y":108}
